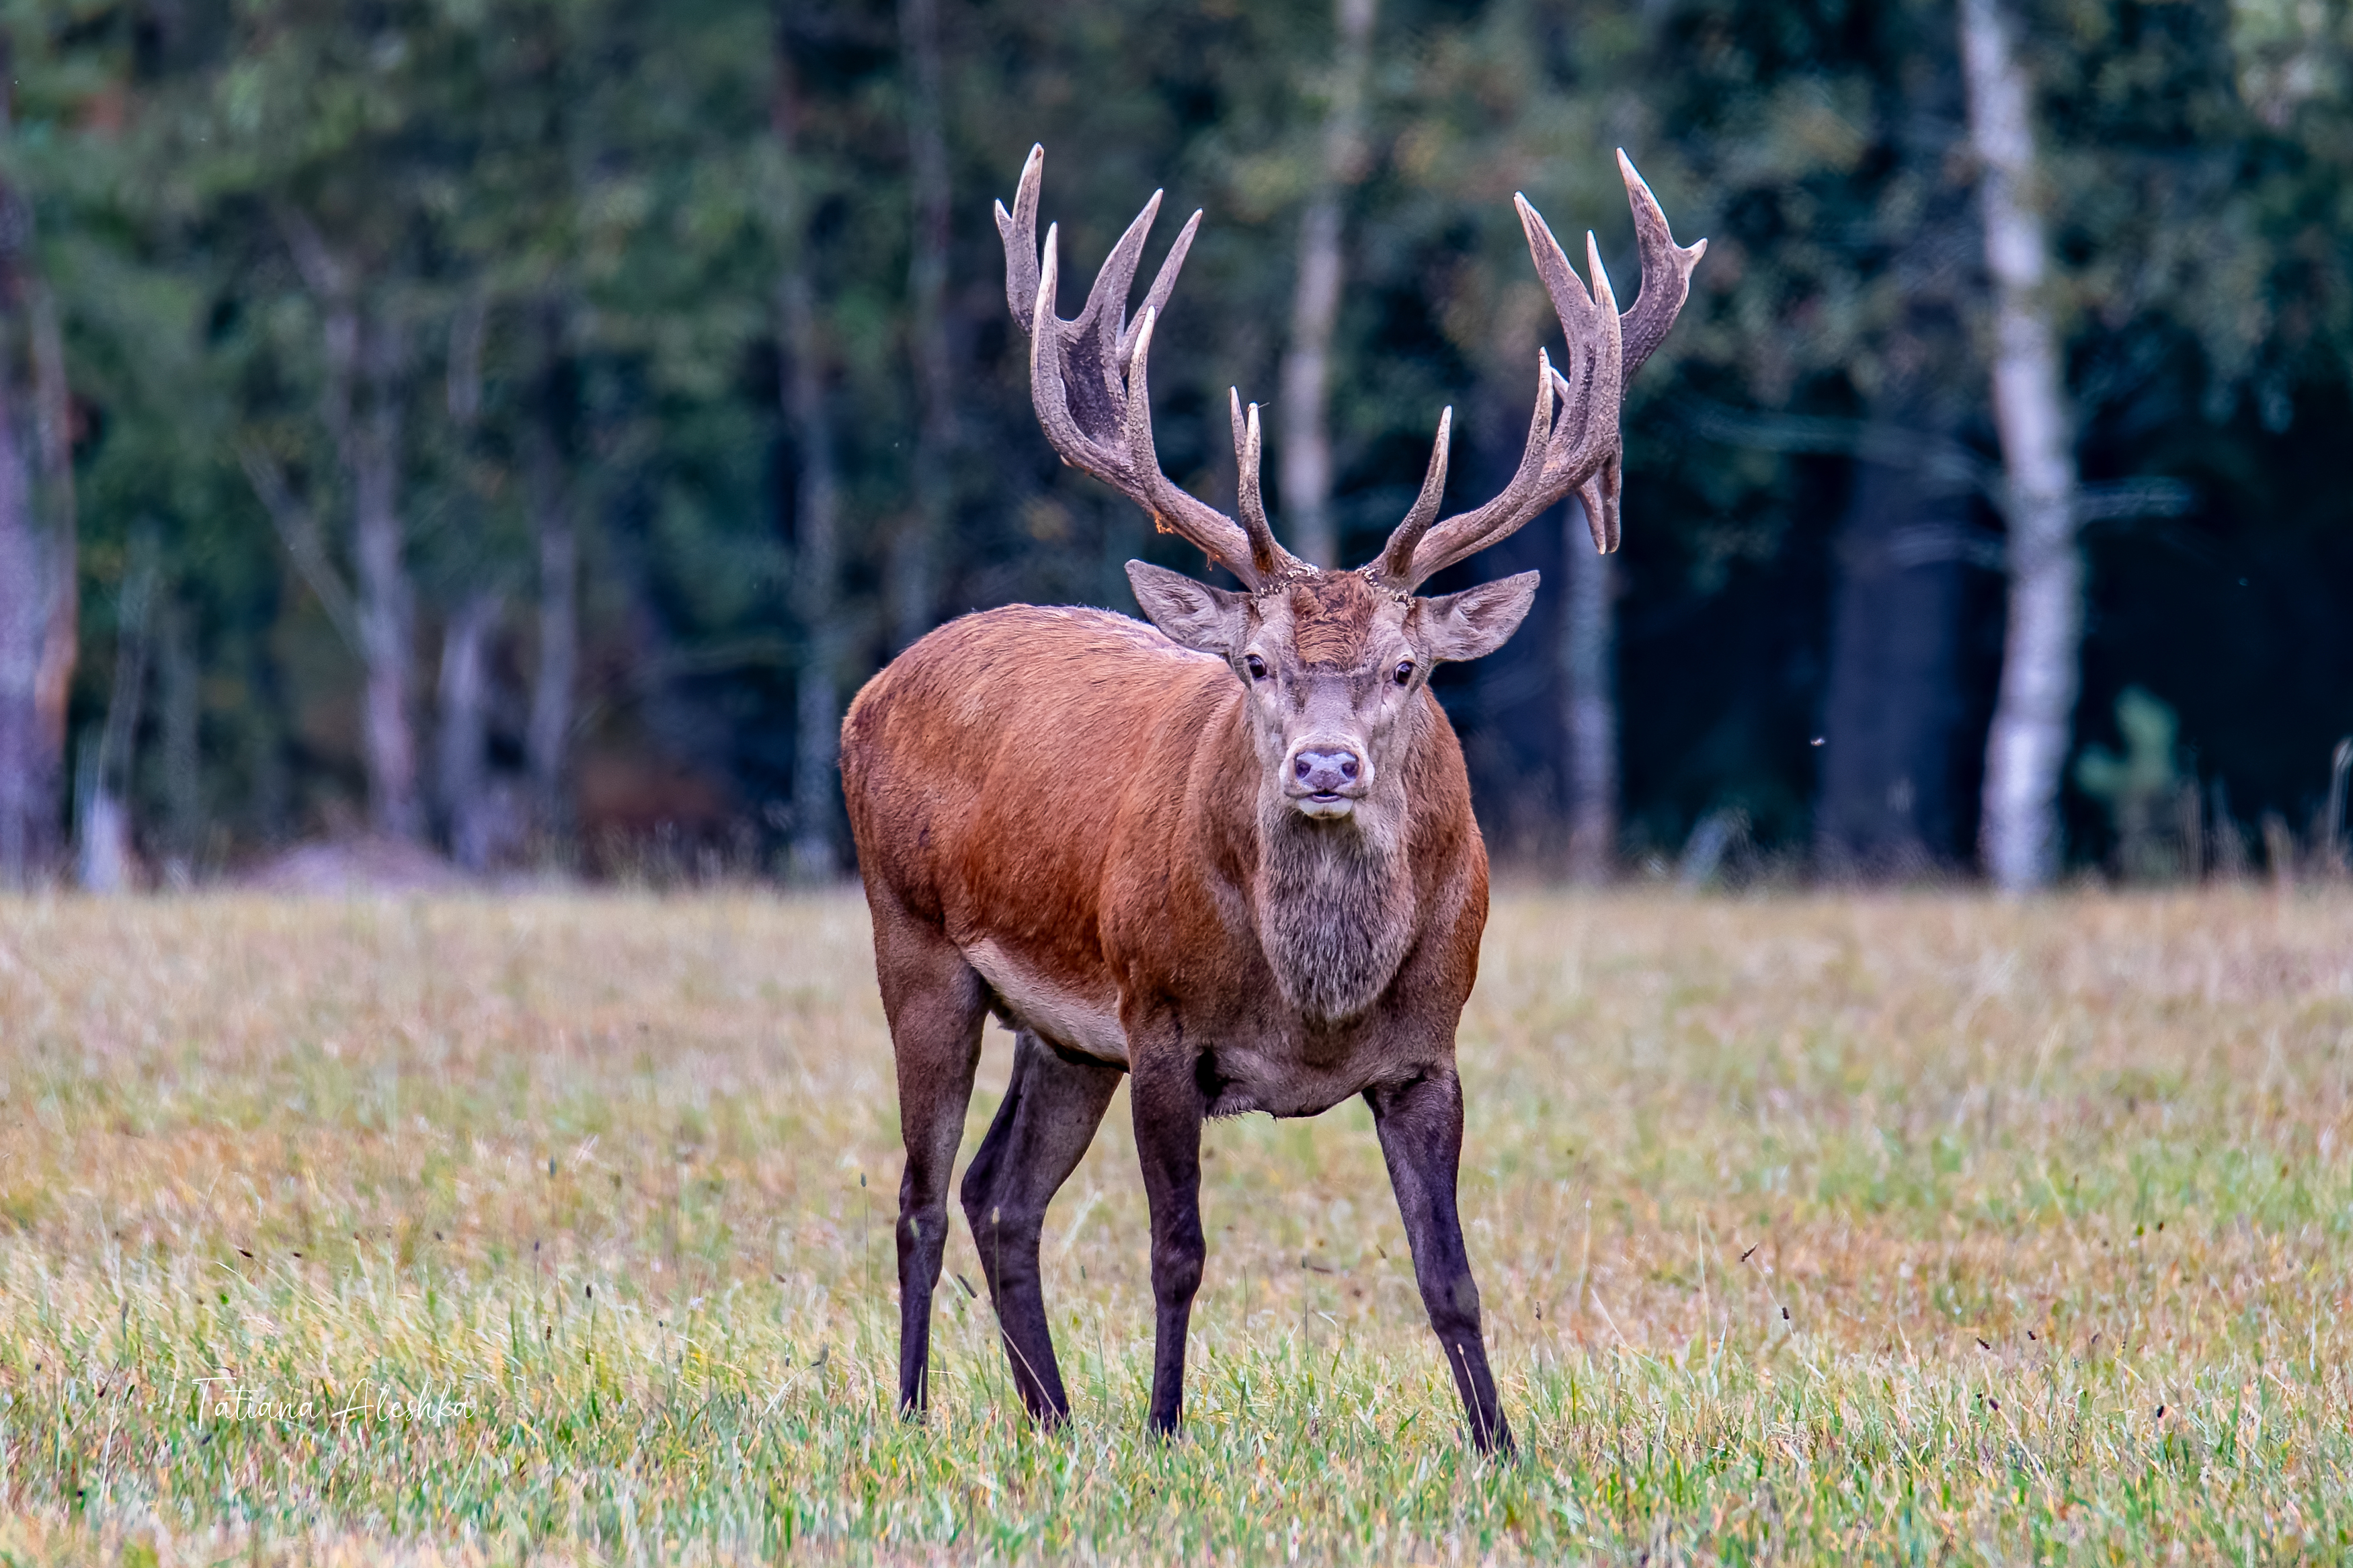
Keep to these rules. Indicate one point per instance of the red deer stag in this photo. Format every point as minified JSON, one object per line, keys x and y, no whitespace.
{"x":1232,"y":857}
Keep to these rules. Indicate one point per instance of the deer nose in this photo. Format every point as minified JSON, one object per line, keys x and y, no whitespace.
{"x":1326,"y":772}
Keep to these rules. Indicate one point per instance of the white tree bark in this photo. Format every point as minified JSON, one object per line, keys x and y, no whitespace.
{"x":102,"y":847}
{"x":547,"y":740}
{"x":387,"y":611}
{"x":2019,"y":839}
{"x":180,"y":701}
{"x":461,"y":772}
{"x":1305,"y":431}
{"x":549,"y":734}
{"x":462,"y":766}
{"x":361,"y":405}
{"x":1588,"y":693}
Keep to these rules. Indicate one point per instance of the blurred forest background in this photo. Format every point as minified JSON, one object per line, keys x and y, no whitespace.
{"x":514,"y":428}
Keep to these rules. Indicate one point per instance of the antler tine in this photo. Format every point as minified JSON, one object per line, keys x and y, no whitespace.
{"x":1048,"y":393}
{"x":1271,"y":558}
{"x":1560,"y":450}
{"x":1598,"y":497}
{"x":1396,"y":556}
{"x":1088,"y":380}
{"x":1466,"y":533}
{"x":1102,"y":320}
{"x":1666,"y":270}
{"x":1570,"y":301}
{"x":1600,"y":489}
{"x":1022,"y":225}
{"x":1172,"y":509}
{"x":1163,"y":284}
{"x":1609,"y":394}
{"x":1049,"y":384}
{"x":1580,"y":447}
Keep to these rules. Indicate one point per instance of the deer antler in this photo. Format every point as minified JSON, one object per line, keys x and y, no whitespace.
{"x":1088,"y":381}
{"x":1574,"y":442}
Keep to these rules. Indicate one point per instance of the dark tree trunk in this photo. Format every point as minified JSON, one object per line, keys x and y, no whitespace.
{"x":1890,"y":716}
{"x":817,"y":544}
{"x":38,"y":571}
{"x":817,"y":570}
{"x":914,"y":566}
{"x":1892,"y":710}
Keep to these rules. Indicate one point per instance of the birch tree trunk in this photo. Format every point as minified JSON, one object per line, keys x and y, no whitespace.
{"x":2019,"y":839}
{"x":387,"y":611}
{"x":39,"y":583}
{"x":462,"y":766}
{"x":815,"y":562}
{"x":550,"y":498}
{"x":914,"y":570}
{"x":180,"y":699}
{"x":1588,"y":691}
{"x":366,"y":360}
{"x":103,"y":849}
{"x":1305,"y":432}
{"x":461,"y":773}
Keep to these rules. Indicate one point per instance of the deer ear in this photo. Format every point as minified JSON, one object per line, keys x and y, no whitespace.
{"x":1193,"y":613}
{"x":1477,"y":621}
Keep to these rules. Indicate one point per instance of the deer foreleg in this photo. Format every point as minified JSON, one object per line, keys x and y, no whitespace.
{"x":1420,"y":1126}
{"x":1166,"y":1099}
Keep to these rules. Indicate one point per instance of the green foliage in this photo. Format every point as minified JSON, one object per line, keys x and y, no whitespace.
{"x":2137,"y":787}
{"x":600,"y":183}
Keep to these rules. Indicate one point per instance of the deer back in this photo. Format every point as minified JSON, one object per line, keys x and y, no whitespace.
{"x":1077,"y":803}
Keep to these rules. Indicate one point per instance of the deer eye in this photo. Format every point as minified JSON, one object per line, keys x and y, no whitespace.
{"x":1255,"y":665}
{"x":1403,"y":674}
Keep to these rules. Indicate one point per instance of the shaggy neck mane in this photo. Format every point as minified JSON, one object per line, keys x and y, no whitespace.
{"x":1334,"y":909}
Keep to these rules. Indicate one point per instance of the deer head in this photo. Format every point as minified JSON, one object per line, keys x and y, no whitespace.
{"x":1333,"y":661}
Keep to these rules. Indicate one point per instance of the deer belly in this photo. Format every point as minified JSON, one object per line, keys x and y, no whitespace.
{"x":1054,"y":1011}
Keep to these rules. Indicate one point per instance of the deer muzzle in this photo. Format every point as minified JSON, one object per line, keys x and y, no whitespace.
{"x":1325,"y":778}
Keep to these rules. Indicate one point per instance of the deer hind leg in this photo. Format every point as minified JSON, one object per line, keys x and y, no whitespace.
{"x":935,"y":1003}
{"x":1052,"y":1106}
{"x":1420,"y":1127}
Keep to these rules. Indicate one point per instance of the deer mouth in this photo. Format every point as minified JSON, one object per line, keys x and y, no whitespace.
{"x":1324,"y":803}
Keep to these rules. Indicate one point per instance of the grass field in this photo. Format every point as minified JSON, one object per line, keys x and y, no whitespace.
{"x":1905,"y":1228}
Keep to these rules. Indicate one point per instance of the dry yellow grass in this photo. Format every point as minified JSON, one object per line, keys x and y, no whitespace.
{"x":1812,"y":1227}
